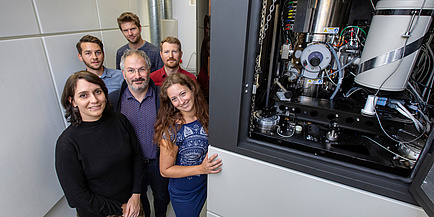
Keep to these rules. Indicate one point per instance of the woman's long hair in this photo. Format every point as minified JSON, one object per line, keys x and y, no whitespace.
{"x":170,"y":119}
{"x":72,"y":114}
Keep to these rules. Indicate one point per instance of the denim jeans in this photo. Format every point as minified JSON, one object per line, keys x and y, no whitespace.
{"x":159,"y":188}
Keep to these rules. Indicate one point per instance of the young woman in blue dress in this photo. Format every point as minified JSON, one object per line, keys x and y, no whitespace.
{"x":181,"y":132}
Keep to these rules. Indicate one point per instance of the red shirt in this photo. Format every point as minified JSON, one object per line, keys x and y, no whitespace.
{"x":159,"y":75}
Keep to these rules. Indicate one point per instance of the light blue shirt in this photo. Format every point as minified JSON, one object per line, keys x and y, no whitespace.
{"x":112,"y":78}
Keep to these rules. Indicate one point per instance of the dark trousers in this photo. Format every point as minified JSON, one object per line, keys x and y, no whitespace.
{"x":159,"y":186}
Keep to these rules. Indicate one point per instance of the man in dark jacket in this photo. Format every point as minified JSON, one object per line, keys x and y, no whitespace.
{"x":138,"y":99}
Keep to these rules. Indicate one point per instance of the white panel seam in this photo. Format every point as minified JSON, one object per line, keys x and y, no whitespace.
{"x":98,"y":14}
{"x":37,"y":16}
{"x":53,"y":80}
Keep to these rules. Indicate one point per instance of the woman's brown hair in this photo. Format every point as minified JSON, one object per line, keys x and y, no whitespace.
{"x":72,"y":114}
{"x":169,"y":119}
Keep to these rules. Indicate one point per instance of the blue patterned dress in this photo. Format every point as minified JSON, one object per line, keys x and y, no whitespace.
{"x":188,"y":194}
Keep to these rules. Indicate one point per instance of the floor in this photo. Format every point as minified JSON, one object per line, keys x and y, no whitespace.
{"x":170,"y":212}
{"x":63,"y":209}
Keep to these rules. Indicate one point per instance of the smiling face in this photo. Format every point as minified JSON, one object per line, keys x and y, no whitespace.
{"x":91,"y":55}
{"x":136,"y":73}
{"x":90,"y":100}
{"x":170,"y":54}
{"x":131,"y":32}
{"x":181,"y":97}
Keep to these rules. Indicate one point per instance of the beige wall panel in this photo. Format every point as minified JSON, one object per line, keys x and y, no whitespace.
{"x":140,"y":7}
{"x":18,"y":18}
{"x":109,"y":10}
{"x":66,"y":15}
{"x":32,"y":121}
{"x":113,"y":40}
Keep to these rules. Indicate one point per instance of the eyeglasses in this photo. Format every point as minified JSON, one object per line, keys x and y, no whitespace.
{"x":133,"y":71}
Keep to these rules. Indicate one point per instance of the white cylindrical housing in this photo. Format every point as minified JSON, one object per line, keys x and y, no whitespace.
{"x":381,"y":65}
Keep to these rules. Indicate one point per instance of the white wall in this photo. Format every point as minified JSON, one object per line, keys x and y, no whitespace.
{"x":186,"y":16}
{"x":37,"y":54}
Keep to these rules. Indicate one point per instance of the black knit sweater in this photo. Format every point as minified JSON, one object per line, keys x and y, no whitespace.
{"x":99,"y":165}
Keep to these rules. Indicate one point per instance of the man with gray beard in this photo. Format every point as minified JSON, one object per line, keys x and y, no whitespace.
{"x":138,"y":99}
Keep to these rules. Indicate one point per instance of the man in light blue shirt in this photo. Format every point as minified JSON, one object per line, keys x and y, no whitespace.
{"x":91,"y":53}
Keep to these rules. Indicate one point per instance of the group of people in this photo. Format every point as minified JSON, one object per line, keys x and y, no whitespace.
{"x":144,"y":123}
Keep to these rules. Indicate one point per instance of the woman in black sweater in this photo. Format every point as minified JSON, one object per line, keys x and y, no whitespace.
{"x":98,"y":159}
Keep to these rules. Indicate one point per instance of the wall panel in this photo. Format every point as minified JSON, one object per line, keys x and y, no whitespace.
{"x":140,"y":7}
{"x":113,"y":40}
{"x":31,"y":123}
{"x":67,"y":16}
{"x":109,"y":10}
{"x":17,"y":19}
{"x":146,"y":34}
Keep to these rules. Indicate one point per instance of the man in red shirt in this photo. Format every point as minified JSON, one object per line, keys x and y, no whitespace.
{"x":170,"y":52}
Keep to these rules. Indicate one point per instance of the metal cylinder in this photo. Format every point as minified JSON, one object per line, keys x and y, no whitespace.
{"x":154,"y":22}
{"x":166,"y":9}
{"x":393,"y":42}
{"x":314,"y":16}
{"x":265,"y":124}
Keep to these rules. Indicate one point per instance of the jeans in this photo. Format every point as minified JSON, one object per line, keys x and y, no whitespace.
{"x":159,"y":186}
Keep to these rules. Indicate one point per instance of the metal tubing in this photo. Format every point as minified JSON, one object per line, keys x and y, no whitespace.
{"x":154,"y":22}
{"x":166,"y":9}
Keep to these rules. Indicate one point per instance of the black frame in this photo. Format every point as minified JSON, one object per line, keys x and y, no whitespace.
{"x":424,"y":174}
{"x":234,"y":34}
